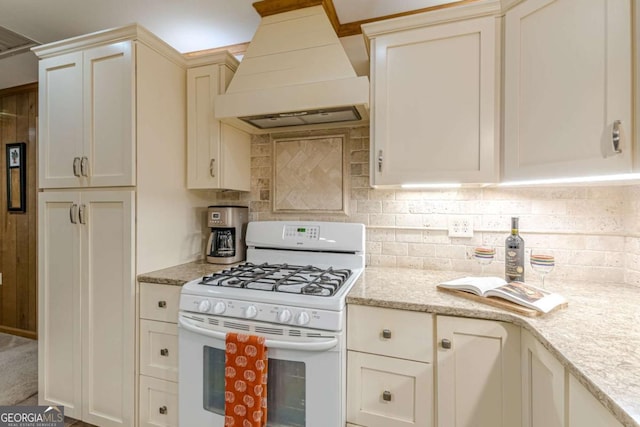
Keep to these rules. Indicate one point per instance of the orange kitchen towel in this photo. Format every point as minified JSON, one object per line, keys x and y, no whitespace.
{"x":245,"y":381}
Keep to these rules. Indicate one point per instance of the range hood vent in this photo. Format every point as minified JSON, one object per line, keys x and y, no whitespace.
{"x":295,"y":72}
{"x":301,"y":118}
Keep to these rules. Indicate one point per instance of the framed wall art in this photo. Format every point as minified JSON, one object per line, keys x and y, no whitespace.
{"x":16,"y":177}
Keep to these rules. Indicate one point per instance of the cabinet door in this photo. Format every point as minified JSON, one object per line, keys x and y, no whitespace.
{"x":585,"y":410}
{"x":567,"y":81}
{"x":158,"y":403}
{"x":108,"y":309}
{"x":109,"y":134}
{"x":219,"y":155}
{"x":388,"y":392}
{"x":59,"y":335}
{"x":434,"y":104}
{"x":478,"y":381}
{"x":60,"y":121}
{"x":203,"y":130}
{"x":542,"y":385}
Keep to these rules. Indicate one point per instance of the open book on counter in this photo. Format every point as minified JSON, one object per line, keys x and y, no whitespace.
{"x":517,"y":292}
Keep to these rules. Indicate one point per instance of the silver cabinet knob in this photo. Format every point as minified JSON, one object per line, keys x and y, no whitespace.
{"x":162,"y":410}
{"x":386,"y":396}
{"x":162,"y":304}
{"x":164,"y":352}
{"x":386,"y":334}
{"x":445,"y":343}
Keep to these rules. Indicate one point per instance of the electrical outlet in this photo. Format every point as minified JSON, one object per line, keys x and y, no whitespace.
{"x":461,"y":226}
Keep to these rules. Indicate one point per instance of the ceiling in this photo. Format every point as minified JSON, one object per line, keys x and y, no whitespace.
{"x":187,"y":25}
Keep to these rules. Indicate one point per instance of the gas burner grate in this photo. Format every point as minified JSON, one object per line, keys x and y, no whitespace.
{"x":298,"y":279}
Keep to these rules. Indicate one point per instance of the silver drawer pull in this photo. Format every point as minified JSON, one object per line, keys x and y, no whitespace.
{"x":615,"y":137}
{"x":446,"y":343}
{"x":386,"y":396}
{"x":162,"y":304}
{"x":83,"y":166}
{"x":164,"y":352}
{"x":73,"y":214}
{"x":212,"y":164}
{"x":76,"y":166}
{"x":81,"y":215}
{"x":162,"y":410}
{"x":386,"y":334}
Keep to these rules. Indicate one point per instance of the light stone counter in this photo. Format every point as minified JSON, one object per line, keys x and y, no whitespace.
{"x":181,"y":274}
{"x":597,"y":337}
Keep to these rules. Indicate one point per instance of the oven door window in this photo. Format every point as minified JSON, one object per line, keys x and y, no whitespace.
{"x":286,"y":384}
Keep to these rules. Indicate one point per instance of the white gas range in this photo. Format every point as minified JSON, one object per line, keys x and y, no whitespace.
{"x":292,"y":291}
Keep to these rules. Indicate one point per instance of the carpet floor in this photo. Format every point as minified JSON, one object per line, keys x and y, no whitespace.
{"x":18,"y":369}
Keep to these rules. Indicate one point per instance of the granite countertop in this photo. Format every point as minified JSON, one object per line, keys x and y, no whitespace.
{"x":181,"y":274}
{"x":597,"y":337}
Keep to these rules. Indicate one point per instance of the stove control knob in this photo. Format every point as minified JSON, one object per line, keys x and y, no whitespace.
{"x":204,"y":306}
{"x":302,"y":318}
{"x":219,"y":307}
{"x":251,"y":312}
{"x":284,"y":316}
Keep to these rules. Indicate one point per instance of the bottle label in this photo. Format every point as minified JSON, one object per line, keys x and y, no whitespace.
{"x":514,"y":265}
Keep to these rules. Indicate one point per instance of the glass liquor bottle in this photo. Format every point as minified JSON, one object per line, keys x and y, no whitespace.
{"x":514,"y":254}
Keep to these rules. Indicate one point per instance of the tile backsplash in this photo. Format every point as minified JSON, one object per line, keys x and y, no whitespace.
{"x":593,"y":231}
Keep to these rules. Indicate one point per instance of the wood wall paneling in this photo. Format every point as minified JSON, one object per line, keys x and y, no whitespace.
{"x":18,"y":231}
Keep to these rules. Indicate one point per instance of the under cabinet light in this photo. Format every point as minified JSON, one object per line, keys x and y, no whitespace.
{"x":441,"y":185}
{"x":574,"y":180}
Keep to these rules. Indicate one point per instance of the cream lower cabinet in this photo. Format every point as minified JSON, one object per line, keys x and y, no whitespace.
{"x":219,"y":155}
{"x":568,"y":81}
{"x":543,"y":385}
{"x":389,"y":367}
{"x":158,"y":363}
{"x":434,"y":89}
{"x":86,"y":304}
{"x":478,"y":362}
{"x":584,"y":410}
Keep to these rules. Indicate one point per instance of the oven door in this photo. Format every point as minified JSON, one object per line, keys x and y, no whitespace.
{"x":306,"y":377}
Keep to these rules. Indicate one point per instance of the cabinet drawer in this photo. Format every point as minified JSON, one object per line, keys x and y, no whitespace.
{"x":159,"y":302}
{"x":158,"y":403}
{"x":159,"y":349}
{"x":387,"y":392}
{"x":390,"y":332}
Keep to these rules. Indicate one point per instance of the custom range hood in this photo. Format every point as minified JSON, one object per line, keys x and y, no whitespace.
{"x":294,"y":75}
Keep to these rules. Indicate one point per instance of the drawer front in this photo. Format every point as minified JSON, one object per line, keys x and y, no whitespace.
{"x":388,"y":392}
{"x":159,"y":349}
{"x":159,"y":302}
{"x":158,"y":403}
{"x":389,"y":332}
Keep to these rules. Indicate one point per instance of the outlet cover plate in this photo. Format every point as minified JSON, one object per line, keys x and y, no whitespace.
{"x":461,"y":226}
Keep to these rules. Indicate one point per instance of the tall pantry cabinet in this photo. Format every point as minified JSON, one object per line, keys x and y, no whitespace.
{"x":113,"y":203}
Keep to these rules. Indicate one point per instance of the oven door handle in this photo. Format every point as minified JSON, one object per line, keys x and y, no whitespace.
{"x":274,"y":344}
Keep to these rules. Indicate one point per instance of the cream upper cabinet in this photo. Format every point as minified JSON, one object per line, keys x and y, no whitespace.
{"x":219,"y":155}
{"x":87,"y":133}
{"x":568,"y":89}
{"x":478,"y":362}
{"x":434,"y":92}
{"x":86,"y":304}
{"x":543,"y":385}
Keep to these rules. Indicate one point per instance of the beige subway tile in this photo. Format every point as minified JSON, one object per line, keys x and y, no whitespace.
{"x":410,"y":262}
{"x":408,"y":220}
{"x":382,"y":219}
{"x":395,"y":248}
{"x":422,"y":250}
{"x":451,"y":251}
{"x":383,"y":261}
{"x":435,"y":237}
{"x":441,"y":264}
{"x":381,"y":234}
{"x":395,"y":207}
{"x":369,"y":206}
{"x":376,"y":194}
{"x":409,"y":235}
{"x":373,"y":248}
